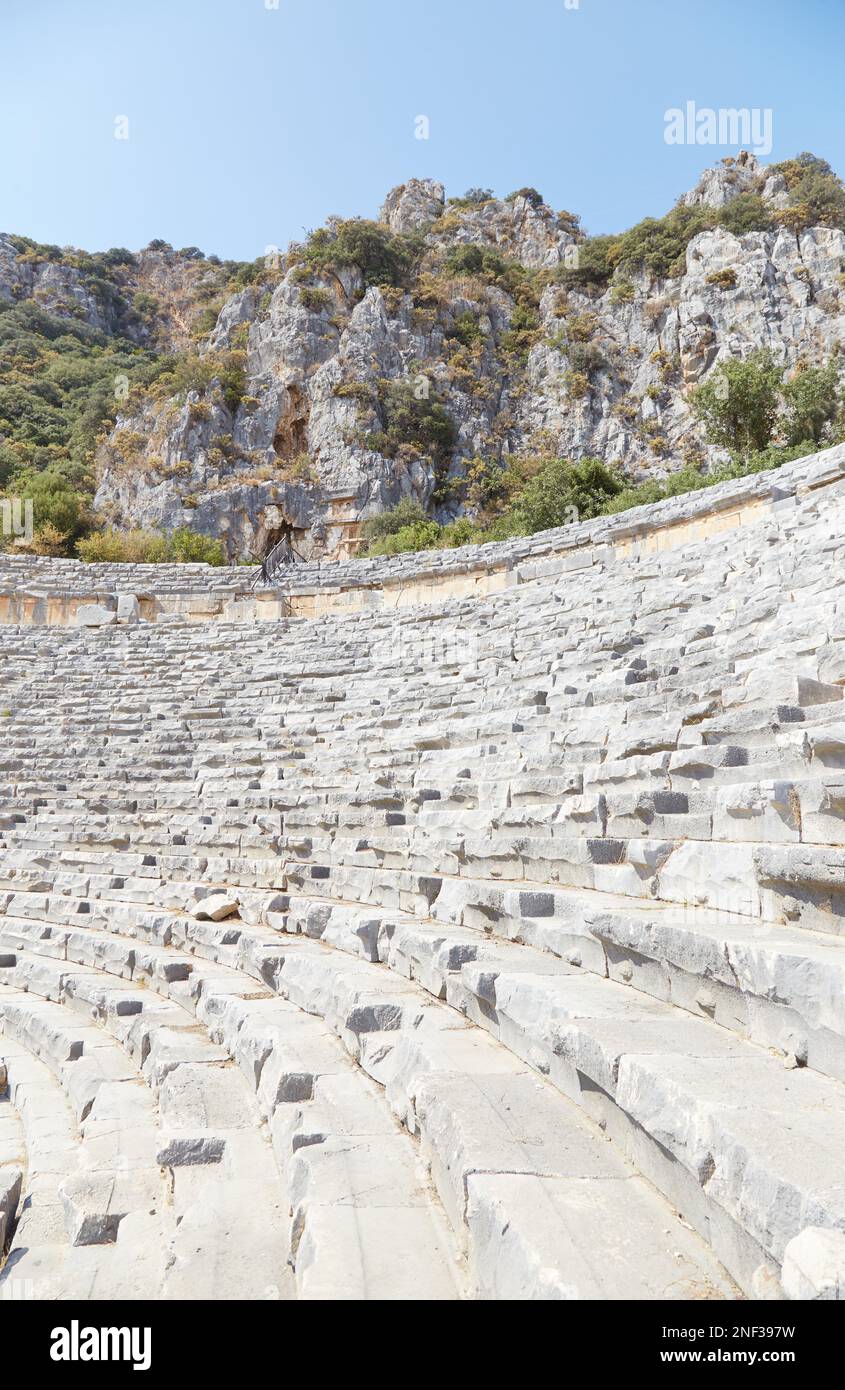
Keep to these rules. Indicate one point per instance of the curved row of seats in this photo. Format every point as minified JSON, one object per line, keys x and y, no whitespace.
{"x":510,"y":932}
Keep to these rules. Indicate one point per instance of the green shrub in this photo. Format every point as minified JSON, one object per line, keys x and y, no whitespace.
{"x":471,"y":259}
{"x":408,"y":512}
{"x":355,"y":390}
{"x":746,"y":213}
{"x":598,"y":258}
{"x":55,"y":502}
{"x":586,"y":358}
{"x":191,"y":373}
{"x":811,"y":402}
{"x":422,"y":535}
{"x":58,"y":388}
{"x":816,"y":194}
{"x":423,"y":425}
{"x":739,"y":402}
{"x":772,"y":457}
{"x":382,"y":258}
{"x":315,"y":299}
{"x":562,"y":489}
{"x":474,"y":197}
{"x":190,"y":548}
{"x":659,"y":245}
{"x":529,"y":194}
{"x":577,"y":384}
{"x":182,"y":546}
{"x":744,"y":404}
{"x":723,"y":279}
{"x":622,"y":292}
{"x":558,"y":493}
{"x":694,"y":479}
{"x":123,"y":547}
{"x":523,"y":331}
{"x":466,"y":329}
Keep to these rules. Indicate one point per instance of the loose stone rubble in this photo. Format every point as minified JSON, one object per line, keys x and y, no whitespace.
{"x":483,"y":943}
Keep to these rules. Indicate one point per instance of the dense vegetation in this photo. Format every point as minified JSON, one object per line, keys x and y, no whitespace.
{"x":61,"y":384}
{"x":63,"y":381}
{"x":383,"y":259}
{"x":181,"y":546}
{"x":747,"y":407}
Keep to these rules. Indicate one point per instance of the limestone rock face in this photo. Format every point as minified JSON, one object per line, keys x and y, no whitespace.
{"x":529,"y":233}
{"x":720,"y":185}
{"x":56,"y":288}
{"x":303,"y":454}
{"x":413,"y":205}
{"x":174,"y":284}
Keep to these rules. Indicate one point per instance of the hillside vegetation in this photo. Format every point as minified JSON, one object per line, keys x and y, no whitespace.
{"x":494,"y":370}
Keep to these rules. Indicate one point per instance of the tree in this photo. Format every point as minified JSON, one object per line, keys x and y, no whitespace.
{"x":811,"y":401}
{"x":54,"y":502}
{"x":408,"y":512}
{"x":747,"y":213}
{"x":382,"y":258}
{"x":739,"y":402}
{"x":563,"y":492}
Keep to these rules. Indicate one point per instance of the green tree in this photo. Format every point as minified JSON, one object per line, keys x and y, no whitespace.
{"x":739,"y":402}
{"x":382,"y":258}
{"x":421,"y":423}
{"x":747,"y":213}
{"x":811,"y":401}
{"x":54,"y":502}
{"x":408,"y":512}
{"x":562,"y":490}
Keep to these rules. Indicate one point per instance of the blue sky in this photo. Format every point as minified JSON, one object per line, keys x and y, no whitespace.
{"x":250,"y":124}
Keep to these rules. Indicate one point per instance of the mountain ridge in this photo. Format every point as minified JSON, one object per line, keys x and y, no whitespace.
{"x":413,"y":358}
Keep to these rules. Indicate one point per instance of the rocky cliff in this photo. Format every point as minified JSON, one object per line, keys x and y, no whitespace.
{"x":416,"y":355}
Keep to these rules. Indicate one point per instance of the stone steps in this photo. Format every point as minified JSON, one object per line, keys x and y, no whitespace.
{"x":674,"y":1092}
{"x":502,"y":1168}
{"x":68,"y":1241}
{"x":344,"y":1240}
{"x":200,"y":1236}
{"x":676,"y":1040}
{"x":779,"y":987}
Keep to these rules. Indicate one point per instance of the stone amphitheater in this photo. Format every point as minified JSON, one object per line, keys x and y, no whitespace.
{"x":462,"y":926}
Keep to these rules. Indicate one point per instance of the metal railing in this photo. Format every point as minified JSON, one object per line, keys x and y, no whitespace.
{"x":282,"y":555}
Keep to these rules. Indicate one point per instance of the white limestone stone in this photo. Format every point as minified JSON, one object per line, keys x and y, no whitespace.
{"x":96,"y":615}
{"x":814,"y":1265}
{"x":215,"y":907}
{"x":128,"y":608}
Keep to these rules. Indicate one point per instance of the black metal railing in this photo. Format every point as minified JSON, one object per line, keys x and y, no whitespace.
{"x":282,"y":555}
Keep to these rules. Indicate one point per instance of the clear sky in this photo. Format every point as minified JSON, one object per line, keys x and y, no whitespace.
{"x":250,"y":121}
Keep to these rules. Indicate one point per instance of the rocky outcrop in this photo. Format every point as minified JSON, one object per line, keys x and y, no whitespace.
{"x":764,"y":289}
{"x":413,"y":205}
{"x":57,"y":288}
{"x":524,"y":358}
{"x":153,"y":299}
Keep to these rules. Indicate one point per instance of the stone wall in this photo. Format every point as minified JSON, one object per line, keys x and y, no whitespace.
{"x":39,"y":592}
